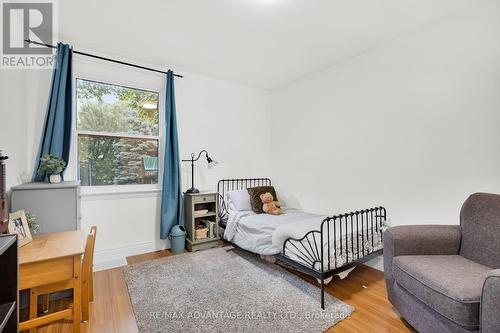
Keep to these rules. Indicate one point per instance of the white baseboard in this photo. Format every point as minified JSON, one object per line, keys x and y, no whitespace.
{"x":377,"y":263}
{"x":111,"y":258}
{"x":108,"y":264}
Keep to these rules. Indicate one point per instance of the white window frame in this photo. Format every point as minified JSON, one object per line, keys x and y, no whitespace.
{"x":124,"y":188}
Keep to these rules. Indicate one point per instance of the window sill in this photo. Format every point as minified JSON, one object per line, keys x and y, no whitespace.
{"x":125,"y":191}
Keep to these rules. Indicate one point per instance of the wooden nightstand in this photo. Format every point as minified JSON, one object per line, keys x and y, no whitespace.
{"x":200,"y":210}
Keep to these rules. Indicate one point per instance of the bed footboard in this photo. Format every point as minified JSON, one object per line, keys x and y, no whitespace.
{"x":342,"y":242}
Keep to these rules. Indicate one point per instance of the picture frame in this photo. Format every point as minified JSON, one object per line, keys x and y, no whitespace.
{"x":18,"y":224}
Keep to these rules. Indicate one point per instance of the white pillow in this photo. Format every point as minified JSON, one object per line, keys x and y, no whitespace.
{"x":239,"y":200}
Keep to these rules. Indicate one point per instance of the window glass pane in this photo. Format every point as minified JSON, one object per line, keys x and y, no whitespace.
{"x":117,"y":161}
{"x":104,"y":107}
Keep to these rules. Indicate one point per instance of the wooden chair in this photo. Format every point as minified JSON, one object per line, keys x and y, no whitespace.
{"x":87,"y":274}
{"x":87,"y":283}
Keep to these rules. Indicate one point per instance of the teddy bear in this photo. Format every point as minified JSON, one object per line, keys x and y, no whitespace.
{"x":269,"y":206}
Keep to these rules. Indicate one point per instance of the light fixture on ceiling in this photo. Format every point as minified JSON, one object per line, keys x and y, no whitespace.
{"x":149,"y":106}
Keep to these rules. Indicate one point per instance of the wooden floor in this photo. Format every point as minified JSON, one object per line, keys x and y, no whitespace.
{"x":364,"y":289}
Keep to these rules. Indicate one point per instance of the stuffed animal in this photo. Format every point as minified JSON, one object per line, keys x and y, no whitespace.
{"x":269,"y":206}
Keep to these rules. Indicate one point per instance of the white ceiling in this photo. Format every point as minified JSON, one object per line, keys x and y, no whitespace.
{"x":258,"y":43}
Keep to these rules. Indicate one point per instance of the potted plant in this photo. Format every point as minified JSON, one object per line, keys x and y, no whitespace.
{"x":32,"y":222}
{"x":52,"y":166}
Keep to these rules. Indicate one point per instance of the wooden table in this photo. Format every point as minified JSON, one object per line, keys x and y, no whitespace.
{"x":48,"y":259}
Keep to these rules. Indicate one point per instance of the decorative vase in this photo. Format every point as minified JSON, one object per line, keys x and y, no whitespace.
{"x":55,"y":178}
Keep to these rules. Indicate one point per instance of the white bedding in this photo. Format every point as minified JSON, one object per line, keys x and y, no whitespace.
{"x":265,"y":234}
{"x":254,"y":232}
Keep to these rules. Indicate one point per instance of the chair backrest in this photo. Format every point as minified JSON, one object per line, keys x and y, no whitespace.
{"x":88,"y":256}
{"x":480,"y":224}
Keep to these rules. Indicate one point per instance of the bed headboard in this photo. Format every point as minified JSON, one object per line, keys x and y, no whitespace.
{"x":226,"y":185}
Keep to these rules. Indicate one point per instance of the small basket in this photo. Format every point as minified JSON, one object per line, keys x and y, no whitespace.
{"x":201,"y":232}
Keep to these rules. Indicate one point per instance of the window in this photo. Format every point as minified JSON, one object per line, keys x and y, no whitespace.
{"x":118,"y":134}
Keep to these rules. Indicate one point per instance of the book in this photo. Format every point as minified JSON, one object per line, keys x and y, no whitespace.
{"x":211,"y":227}
{"x":200,"y":212}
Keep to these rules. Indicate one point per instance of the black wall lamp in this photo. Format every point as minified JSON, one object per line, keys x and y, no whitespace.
{"x":210,"y":162}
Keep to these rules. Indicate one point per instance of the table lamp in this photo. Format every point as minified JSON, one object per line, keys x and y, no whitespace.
{"x":210,"y":162}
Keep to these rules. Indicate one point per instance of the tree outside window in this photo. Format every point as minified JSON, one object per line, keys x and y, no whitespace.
{"x":118,"y":134}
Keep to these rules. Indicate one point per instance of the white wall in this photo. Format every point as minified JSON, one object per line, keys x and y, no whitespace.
{"x":13,"y":124}
{"x":224,"y":118}
{"x":413,"y":125}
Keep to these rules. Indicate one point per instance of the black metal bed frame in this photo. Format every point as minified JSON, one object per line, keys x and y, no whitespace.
{"x":227,"y":185}
{"x":311,"y":253}
{"x":365,"y":224}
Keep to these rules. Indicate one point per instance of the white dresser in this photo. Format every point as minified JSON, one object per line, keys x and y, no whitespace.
{"x":57,"y":206}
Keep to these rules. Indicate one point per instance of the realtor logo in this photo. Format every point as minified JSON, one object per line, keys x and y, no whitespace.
{"x":21,"y":21}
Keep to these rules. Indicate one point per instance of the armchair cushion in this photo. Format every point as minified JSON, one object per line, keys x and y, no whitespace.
{"x":417,"y":239}
{"x":449,"y":284}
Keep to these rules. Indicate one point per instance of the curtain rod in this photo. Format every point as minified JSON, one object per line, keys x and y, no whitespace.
{"x":103,"y":58}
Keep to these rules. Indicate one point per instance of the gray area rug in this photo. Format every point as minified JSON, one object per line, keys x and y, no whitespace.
{"x":226,"y":290}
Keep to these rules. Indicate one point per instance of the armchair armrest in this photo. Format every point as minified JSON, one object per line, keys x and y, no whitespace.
{"x":423,"y":239}
{"x":490,"y":303}
{"x":418,"y":240}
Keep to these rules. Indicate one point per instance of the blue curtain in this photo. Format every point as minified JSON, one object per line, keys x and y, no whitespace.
{"x":171,"y":194}
{"x":56,"y":134}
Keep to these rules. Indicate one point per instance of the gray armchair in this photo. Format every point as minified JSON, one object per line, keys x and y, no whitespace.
{"x":446,"y":278}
